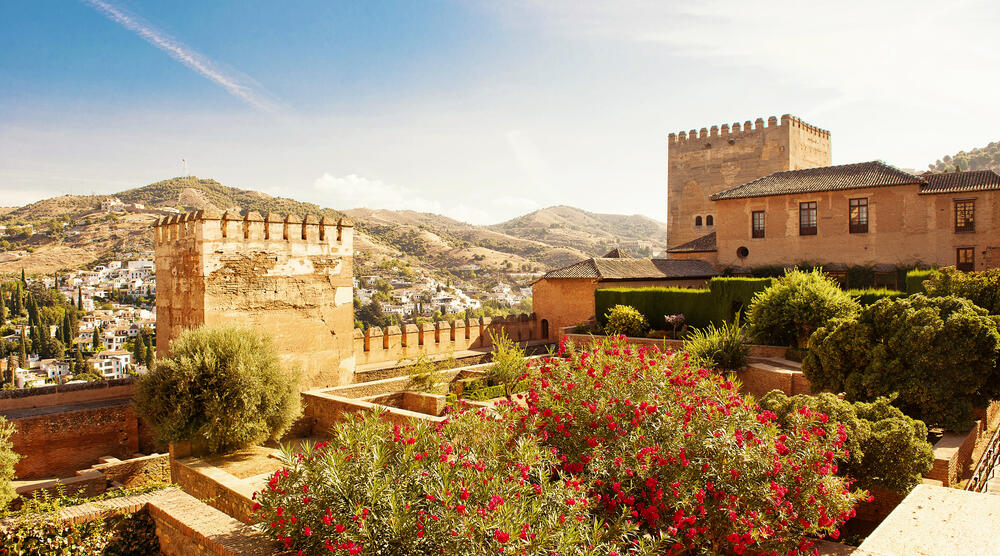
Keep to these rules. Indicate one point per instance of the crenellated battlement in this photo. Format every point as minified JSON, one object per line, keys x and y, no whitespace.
{"x":375,"y":345}
{"x":231,"y":225}
{"x":725,"y":131}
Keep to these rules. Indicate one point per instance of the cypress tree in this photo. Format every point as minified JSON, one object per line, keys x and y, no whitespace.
{"x":23,"y":279}
{"x":79,"y":298}
{"x":3,"y":312}
{"x":96,"y":339}
{"x":79,"y":360}
{"x":23,"y":355}
{"x":10,"y":368}
{"x":64,"y":329}
{"x":150,"y":352}
{"x":138,"y":351}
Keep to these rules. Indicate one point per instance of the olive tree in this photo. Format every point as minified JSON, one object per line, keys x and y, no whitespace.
{"x":222,"y":388}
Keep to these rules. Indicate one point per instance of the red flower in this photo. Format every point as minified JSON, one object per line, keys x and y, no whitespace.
{"x":501,"y":536}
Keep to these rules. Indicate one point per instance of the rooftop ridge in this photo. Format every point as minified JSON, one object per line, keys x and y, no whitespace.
{"x":872,"y":165}
{"x":786,"y":120}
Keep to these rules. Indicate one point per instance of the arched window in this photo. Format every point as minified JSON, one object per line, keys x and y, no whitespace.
{"x":697,"y":221}
{"x":709,"y":221}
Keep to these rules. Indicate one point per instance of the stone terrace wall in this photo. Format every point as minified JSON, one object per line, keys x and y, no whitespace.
{"x":65,"y":394}
{"x":375,"y":345}
{"x":59,"y":441}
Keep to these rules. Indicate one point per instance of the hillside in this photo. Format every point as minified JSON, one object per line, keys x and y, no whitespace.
{"x":72,"y":232}
{"x":983,"y":158}
{"x":592,"y":233}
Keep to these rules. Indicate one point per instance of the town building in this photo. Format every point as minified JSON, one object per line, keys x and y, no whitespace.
{"x":865,"y":214}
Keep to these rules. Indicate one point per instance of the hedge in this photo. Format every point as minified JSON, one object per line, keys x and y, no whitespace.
{"x":713,"y":305}
{"x":915,"y":281}
{"x":870,"y":296}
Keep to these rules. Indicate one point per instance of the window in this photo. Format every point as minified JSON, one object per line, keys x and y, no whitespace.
{"x":965,"y":258}
{"x":709,"y":220}
{"x":965,"y":216}
{"x":697,"y":221}
{"x":859,"y":215}
{"x":807,"y":218}
{"x":757,"y":226}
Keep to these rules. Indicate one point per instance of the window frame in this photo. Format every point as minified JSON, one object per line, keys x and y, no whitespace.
{"x":709,"y":220}
{"x":968,"y":225}
{"x":861,"y":225}
{"x":965,"y":266}
{"x":697,"y":221}
{"x":809,"y":207}
{"x":756,"y":232}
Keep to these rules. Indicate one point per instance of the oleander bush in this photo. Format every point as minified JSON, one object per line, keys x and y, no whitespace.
{"x":222,"y":388}
{"x":939,"y":354}
{"x":718,"y":347}
{"x":618,"y":451}
{"x":471,"y":486}
{"x":795,"y":305}
{"x":625,"y":320}
{"x":884,"y":447}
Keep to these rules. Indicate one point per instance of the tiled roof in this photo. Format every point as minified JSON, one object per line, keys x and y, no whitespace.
{"x":617,"y":253}
{"x":825,"y":178}
{"x":952,"y":182}
{"x":703,"y":243}
{"x":634,"y":269}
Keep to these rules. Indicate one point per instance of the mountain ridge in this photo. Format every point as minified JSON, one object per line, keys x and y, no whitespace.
{"x":76,"y":233}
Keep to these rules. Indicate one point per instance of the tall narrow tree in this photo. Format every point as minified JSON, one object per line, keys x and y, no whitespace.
{"x":3,"y":311}
{"x":96,"y":339}
{"x":79,"y":298}
{"x":79,"y":359}
{"x":23,"y":355}
{"x":150,"y":352}
{"x":23,"y":279}
{"x":11,"y":368}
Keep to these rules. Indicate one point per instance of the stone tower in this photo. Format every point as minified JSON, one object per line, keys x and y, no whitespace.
{"x":704,"y":162}
{"x":286,"y":276}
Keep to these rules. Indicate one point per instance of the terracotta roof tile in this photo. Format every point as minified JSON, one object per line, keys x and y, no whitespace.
{"x":701,"y":244}
{"x":825,"y":178}
{"x":953,"y":182}
{"x":634,"y":269}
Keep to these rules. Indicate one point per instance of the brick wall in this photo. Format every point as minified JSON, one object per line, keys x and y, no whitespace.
{"x":60,"y":440}
{"x":65,"y":394}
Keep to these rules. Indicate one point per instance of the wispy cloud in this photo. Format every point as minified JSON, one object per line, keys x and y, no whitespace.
{"x":240,"y":87}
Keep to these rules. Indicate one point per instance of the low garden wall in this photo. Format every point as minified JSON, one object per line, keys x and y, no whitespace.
{"x":214,"y":486}
{"x":677,"y":345}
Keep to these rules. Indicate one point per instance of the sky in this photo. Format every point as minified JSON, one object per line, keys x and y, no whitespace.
{"x":481,"y":110}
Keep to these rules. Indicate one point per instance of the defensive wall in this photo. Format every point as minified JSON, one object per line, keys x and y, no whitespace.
{"x":376,"y":345}
{"x":287,"y":276}
{"x":706,"y":161}
{"x":62,"y":429}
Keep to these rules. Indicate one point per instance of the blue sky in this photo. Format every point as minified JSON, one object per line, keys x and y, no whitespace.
{"x":480,"y":110}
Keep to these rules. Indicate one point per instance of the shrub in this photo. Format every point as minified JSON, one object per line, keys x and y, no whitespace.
{"x":885,"y":448}
{"x":701,"y":469}
{"x":8,"y":459}
{"x":871,"y":295}
{"x":655,"y":303}
{"x":718,"y":347}
{"x":795,"y":305}
{"x":915,"y":280}
{"x":508,"y":366}
{"x":626,"y":321}
{"x":472,"y":486}
{"x":939,"y":354}
{"x":981,"y":288}
{"x":724,"y":298}
{"x":221,"y":387}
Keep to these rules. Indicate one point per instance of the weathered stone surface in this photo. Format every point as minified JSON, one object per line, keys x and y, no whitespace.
{"x":291,"y":279}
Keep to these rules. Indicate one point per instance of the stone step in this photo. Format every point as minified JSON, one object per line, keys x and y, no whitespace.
{"x":758,"y":366}
{"x":108,"y":459}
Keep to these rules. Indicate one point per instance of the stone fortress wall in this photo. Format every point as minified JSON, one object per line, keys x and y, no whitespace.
{"x":292,"y":278}
{"x":701,"y":163}
{"x":288,"y":277}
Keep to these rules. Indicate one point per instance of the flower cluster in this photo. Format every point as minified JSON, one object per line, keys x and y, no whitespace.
{"x":686,"y":456}
{"x":613,"y":450}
